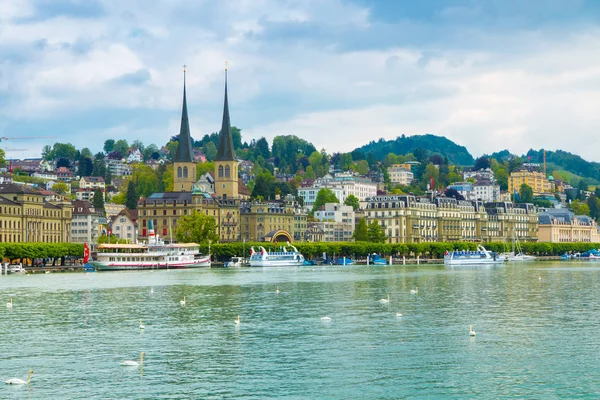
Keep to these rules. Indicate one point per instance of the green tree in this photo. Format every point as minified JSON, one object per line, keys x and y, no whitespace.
{"x":525,"y":194}
{"x":131,"y":197}
{"x":122,"y":147}
{"x":64,"y":150}
{"x":481,"y":163}
{"x":203,"y":168}
{"x":60,"y":188}
{"x":353,"y":201}
{"x":210,"y":150}
{"x":594,"y":205}
{"x":324,"y":196}
{"x":362,"y":167}
{"x":579,"y":208}
{"x":361,"y":232}
{"x":262,"y":148}
{"x":47,"y":152}
{"x":109,"y":145}
{"x":150,"y":151}
{"x":346,"y":161}
{"x":310,"y":173}
{"x":375,"y":233}
{"x":262,"y":185}
{"x":501,"y":178}
{"x":138,"y":144}
{"x":98,"y":200}
{"x":196,"y":228}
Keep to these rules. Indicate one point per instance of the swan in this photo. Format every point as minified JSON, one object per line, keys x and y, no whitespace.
{"x":182,"y":302}
{"x":9,"y":304}
{"x":325,"y":318}
{"x":277,"y":290}
{"x":142,"y":325}
{"x":471,"y":331}
{"x":237,"y":320}
{"x":385,"y":301}
{"x":539,"y":277}
{"x":151,"y":290}
{"x":398,"y":315}
{"x":130,"y":363}
{"x":415,"y":290}
{"x":17,"y":381}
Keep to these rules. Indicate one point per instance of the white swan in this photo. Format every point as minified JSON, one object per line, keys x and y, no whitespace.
{"x":10,"y":303}
{"x":130,"y":363}
{"x":142,"y":325}
{"x":385,"y":301}
{"x":539,"y":277}
{"x":415,"y":290}
{"x":325,"y":318}
{"x":277,"y":290}
{"x":471,"y":331}
{"x":17,"y":381}
{"x":182,"y":302}
{"x":151,"y":290}
{"x":398,"y":315}
{"x":237,"y":320}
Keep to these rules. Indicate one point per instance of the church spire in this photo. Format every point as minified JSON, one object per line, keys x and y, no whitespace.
{"x":226,"y":151}
{"x":184,"y":147}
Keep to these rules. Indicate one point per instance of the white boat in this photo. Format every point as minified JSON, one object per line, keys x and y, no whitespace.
{"x":15,"y":269}
{"x":156,"y":254}
{"x":518,"y":255}
{"x":235,"y":262}
{"x":479,"y":257}
{"x":283,"y":258}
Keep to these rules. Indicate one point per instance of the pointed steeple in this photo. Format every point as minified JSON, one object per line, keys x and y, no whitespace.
{"x":184,"y":148}
{"x":226,"y":151}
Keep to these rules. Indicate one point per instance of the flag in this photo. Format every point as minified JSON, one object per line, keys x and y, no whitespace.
{"x":516,"y":196}
{"x":86,"y":253}
{"x":432,"y":182}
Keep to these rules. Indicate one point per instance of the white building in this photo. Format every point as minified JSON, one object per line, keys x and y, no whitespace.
{"x":486,"y":191}
{"x":84,"y":224}
{"x":45,"y":175}
{"x":118,"y":167}
{"x":342,"y":219}
{"x":124,"y":225}
{"x":135,"y":156}
{"x":309,"y":195}
{"x":400,"y":175}
{"x":464,"y":188}
{"x":485,"y":174}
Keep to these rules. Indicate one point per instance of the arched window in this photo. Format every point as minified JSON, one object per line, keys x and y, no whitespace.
{"x":227,"y":171}
{"x":220,"y":171}
{"x":179,"y":172}
{"x":185,"y":172}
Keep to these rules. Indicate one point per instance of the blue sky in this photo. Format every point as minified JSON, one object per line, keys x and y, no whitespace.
{"x":487,"y":74}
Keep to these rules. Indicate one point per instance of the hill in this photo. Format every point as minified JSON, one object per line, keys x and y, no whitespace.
{"x":407,"y":144}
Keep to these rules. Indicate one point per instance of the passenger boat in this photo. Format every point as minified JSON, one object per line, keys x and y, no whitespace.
{"x":283,"y":258}
{"x":156,"y":254}
{"x":234,"y":262}
{"x":479,"y":257}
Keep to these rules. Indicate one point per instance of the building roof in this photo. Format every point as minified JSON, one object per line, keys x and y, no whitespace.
{"x":226,"y":152}
{"x":184,"y":147}
{"x":82,"y":207}
{"x":162,"y":197}
{"x":94,"y":179}
{"x":12,"y":188}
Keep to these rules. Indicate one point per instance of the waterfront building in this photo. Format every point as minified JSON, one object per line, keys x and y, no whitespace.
{"x":534,"y":179}
{"x":562,"y":226}
{"x":400,"y":175}
{"x":338,"y":222}
{"x":124,"y":225}
{"x":26,"y":217}
{"x":267,"y":220}
{"x":507,"y":221}
{"x":85,"y":222}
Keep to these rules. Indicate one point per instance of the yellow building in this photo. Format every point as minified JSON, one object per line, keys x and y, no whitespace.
{"x":273,"y":220}
{"x":534,"y":179}
{"x":562,"y":226}
{"x":26,"y":217}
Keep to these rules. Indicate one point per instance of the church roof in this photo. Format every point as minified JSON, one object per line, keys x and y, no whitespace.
{"x":184,"y":147}
{"x":226,"y":152}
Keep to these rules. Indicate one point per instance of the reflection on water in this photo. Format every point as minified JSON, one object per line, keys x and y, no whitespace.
{"x":536,"y":338}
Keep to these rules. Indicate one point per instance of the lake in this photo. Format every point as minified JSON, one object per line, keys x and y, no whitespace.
{"x":537,"y":327}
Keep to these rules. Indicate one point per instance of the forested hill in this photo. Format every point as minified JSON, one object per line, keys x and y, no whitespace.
{"x":407,"y":144}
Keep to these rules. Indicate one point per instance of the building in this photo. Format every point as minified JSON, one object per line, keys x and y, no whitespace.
{"x":92,"y":183}
{"x":274,"y":220}
{"x":486,"y":191}
{"x":135,"y":156}
{"x":112,"y":209}
{"x":124,"y":225}
{"x":507,"y":221}
{"x":26,"y":217}
{"x":184,"y":167}
{"x":400,"y":175}
{"x":480,"y":174}
{"x":534,"y":179}
{"x":85,"y":222}
{"x":64,"y":174}
{"x":465,"y":189}
{"x":118,"y":167}
{"x":562,"y":226}
{"x":308,"y":194}
{"x":338,"y":222}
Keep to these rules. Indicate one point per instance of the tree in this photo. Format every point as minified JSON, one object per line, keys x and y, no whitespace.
{"x":86,"y":166}
{"x":310,"y":173}
{"x":353,"y":201}
{"x":109,"y":145}
{"x":138,"y":144}
{"x":210,"y":150}
{"x":196,"y":228}
{"x":131,"y":197}
{"x":324,"y":196}
{"x":436,"y":159}
{"x":61,"y":188}
{"x":98,"y":200}
{"x":420,"y":154}
{"x":594,"y":205}
{"x":149,"y":152}
{"x":262,"y":185}
{"x":122,"y":147}
{"x":501,"y":178}
{"x":481,"y":163}
{"x":579,"y":208}
{"x":375,"y":233}
{"x":525,"y":194}
{"x":262,"y":148}
{"x":362,"y":167}
{"x":47,"y":152}
{"x":361,"y":232}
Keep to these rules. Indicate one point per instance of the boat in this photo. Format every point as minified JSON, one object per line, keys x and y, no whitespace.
{"x":479,"y":257}
{"x":15,"y":269}
{"x":518,"y":255}
{"x":283,"y":258}
{"x":344,"y":261}
{"x":156,"y":254}
{"x":235,"y":262}
{"x":376,"y":259}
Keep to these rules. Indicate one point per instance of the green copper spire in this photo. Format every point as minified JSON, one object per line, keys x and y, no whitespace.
{"x":184,"y":148}
{"x":226,"y":151}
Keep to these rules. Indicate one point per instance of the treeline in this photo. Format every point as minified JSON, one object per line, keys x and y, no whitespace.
{"x":223,"y":251}
{"x":32,"y":251}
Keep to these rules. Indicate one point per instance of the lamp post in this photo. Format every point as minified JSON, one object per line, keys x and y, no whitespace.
{"x":244,"y":252}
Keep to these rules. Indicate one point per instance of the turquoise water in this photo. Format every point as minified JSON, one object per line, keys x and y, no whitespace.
{"x":535,"y":338}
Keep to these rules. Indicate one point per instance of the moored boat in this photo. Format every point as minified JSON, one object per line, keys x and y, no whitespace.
{"x":283,"y":258}
{"x":479,"y":257}
{"x":376,"y":259}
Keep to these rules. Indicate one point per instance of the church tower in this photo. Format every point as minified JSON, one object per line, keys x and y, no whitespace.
{"x":226,"y":166}
{"x":184,"y":167}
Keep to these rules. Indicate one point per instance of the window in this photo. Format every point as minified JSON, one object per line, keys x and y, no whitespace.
{"x":227,"y":171}
{"x":179,"y":172}
{"x":220,"y":171}
{"x":185,"y":172}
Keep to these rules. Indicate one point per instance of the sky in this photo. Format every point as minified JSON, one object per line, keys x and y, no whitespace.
{"x":488,"y":75}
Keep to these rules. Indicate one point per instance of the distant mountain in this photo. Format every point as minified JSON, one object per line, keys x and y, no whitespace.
{"x":407,"y":144}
